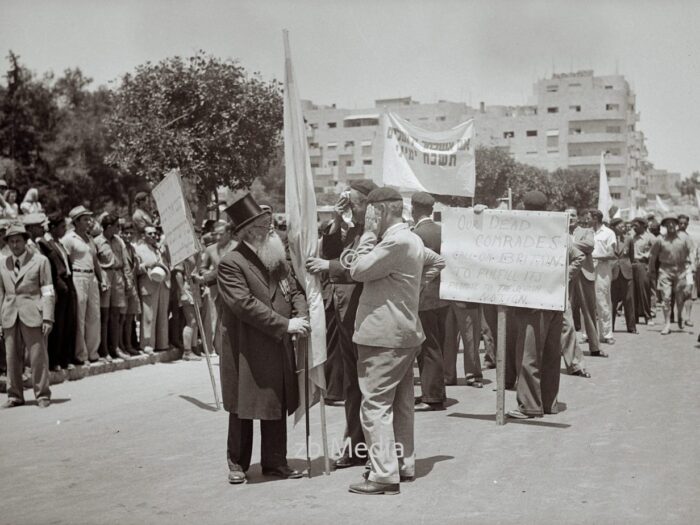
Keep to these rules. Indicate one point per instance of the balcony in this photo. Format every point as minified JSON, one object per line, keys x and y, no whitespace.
{"x":594,"y":160}
{"x":581,"y":138}
{"x":602,"y":114}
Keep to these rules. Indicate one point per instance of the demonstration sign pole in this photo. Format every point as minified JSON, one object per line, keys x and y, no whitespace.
{"x":501,"y":366}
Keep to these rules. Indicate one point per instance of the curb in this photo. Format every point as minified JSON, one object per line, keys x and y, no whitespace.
{"x":79,"y":372}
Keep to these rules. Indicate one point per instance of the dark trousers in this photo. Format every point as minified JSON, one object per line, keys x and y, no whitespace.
{"x":353,"y":396}
{"x":61,"y":343}
{"x":430,"y":362}
{"x":584,"y":302}
{"x":489,"y":331}
{"x":273,"y":442}
{"x":539,"y":336}
{"x":514,"y":353}
{"x":334,"y":358}
{"x":465,"y":322}
{"x":622,"y":291}
{"x":642,"y":290}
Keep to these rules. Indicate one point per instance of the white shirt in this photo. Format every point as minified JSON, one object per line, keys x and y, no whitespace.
{"x":604,"y":242}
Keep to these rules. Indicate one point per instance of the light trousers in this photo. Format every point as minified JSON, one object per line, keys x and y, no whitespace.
{"x":386,"y":412}
{"x":465,"y":322}
{"x":154,"y":318}
{"x":570,"y":349}
{"x":17,"y":338}
{"x":603,"y":281}
{"x":87,"y":337}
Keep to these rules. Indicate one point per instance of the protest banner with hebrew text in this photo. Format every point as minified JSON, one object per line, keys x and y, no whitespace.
{"x":175,"y":218}
{"x":505,"y":257}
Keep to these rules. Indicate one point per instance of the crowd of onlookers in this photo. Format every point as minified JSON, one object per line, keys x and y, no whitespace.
{"x":116,"y":294}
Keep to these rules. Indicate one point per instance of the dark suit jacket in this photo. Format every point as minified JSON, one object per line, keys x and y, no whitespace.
{"x":59,"y":272}
{"x":258,"y":373}
{"x":431,"y":234}
{"x":625,"y":257}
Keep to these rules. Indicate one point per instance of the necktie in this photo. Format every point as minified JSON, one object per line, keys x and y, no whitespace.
{"x":17,"y":266}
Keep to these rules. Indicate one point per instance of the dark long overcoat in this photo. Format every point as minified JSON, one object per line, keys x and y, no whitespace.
{"x":258,"y":379}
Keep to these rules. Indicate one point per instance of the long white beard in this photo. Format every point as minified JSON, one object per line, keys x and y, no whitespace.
{"x":272,"y":254}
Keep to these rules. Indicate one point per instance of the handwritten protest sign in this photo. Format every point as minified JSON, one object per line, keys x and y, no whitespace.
{"x":416,"y":159}
{"x":504,"y":257}
{"x":175,"y":217}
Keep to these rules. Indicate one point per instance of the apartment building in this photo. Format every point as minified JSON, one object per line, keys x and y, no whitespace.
{"x":570,"y":119}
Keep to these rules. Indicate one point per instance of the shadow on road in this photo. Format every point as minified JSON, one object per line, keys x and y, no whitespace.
{"x":54,"y":401}
{"x":424,"y":466}
{"x":255,"y":474}
{"x":492,"y":417}
{"x":200,"y":404}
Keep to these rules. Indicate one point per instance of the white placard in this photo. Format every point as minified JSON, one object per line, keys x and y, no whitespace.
{"x":175,"y":218}
{"x":504,"y":257}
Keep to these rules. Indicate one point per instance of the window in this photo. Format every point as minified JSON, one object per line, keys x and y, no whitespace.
{"x":614,"y":151}
{"x":349,"y":163}
{"x":332,"y":124}
{"x":531,"y":133}
{"x":349,"y":143}
{"x":508,"y":134}
{"x":422,"y":118}
{"x":553,"y":110}
{"x":315,"y":165}
{"x":332,"y":163}
{"x":441,"y":118}
{"x":313,"y":145}
{"x":612,"y":107}
{"x":575,"y":85}
{"x":553,"y":88}
{"x":575,"y":131}
{"x":608,"y":87}
{"x":531,"y":153}
{"x":313,"y":125}
{"x":552,"y":140}
{"x":613,"y":174}
{"x":366,"y":150}
{"x":367,"y":162}
{"x":332,"y":145}
{"x":575,"y":109}
{"x":613,"y":129}
{"x":615,"y":195}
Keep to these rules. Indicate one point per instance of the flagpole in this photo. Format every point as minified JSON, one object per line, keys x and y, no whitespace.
{"x":306,"y":401}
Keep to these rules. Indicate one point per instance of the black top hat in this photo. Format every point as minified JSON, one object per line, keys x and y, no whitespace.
{"x":244,"y":211}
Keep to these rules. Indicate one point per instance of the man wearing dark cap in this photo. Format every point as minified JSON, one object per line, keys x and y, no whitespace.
{"x":338,"y":248}
{"x":142,"y":214}
{"x":642,"y":241}
{"x":622,"y":286}
{"x":394,"y":265}
{"x":26,"y":311}
{"x":673,"y":255}
{"x":262,"y":310}
{"x":431,"y":310}
{"x":539,"y":342}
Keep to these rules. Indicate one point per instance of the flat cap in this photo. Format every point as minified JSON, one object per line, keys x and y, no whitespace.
{"x":535,"y":200}
{"x":364,"y":186}
{"x":383,"y":195}
{"x":33,"y":219}
{"x":423,"y":199}
{"x":16,"y":228}
{"x":614,"y":222}
{"x":640,"y":220}
{"x":78,"y":211}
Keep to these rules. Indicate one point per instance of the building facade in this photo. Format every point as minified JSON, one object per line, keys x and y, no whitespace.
{"x":570,"y":120}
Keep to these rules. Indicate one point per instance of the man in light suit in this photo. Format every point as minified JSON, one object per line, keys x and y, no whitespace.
{"x":26,"y":310}
{"x":622,"y":288}
{"x":388,"y":335}
{"x":583,"y":296}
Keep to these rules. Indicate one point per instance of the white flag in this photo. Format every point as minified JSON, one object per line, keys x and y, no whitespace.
{"x":697,"y":197}
{"x":300,"y":203}
{"x":661,"y":205}
{"x":605,"y":201}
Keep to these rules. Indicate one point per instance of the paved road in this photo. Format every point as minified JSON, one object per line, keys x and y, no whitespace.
{"x":145,"y":446}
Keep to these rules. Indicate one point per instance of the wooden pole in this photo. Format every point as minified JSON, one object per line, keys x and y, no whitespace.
{"x":306,"y":401}
{"x":324,"y":436}
{"x":501,"y":366}
{"x":205,"y":339}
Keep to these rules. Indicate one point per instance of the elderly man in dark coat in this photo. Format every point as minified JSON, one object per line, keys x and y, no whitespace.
{"x":262,"y":309}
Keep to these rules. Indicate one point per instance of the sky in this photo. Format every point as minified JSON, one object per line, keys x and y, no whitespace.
{"x":352,"y":52}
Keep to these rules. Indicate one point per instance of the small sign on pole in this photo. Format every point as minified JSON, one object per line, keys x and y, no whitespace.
{"x":176,"y":221}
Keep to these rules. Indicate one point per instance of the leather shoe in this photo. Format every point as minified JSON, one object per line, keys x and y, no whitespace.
{"x":346,"y":461}
{"x":403,"y":478}
{"x":599,"y":354}
{"x":43,"y":402}
{"x":11,"y":403}
{"x":517,"y":414}
{"x":428,"y":407}
{"x":581,"y":373}
{"x":284,"y":472}
{"x":372,"y":488}
{"x":121,"y":354}
{"x":236,"y":477}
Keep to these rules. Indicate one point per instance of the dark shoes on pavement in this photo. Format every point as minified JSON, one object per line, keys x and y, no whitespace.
{"x":428,"y":407}
{"x":284,"y":472}
{"x":11,"y":403}
{"x":43,"y":403}
{"x":236,"y":477}
{"x":581,"y":373}
{"x":372,"y":488}
{"x":346,"y":461}
{"x":517,"y":414}
{"x":599,"y":354}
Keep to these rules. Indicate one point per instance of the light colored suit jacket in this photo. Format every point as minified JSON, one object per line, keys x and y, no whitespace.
{"x":583,"y":241}
{"x":29,"y":296}
{"x":149,"y":257}
{"x":393,"y":271}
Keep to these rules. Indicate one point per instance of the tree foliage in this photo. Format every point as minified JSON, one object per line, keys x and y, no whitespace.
{"x":203,"y":115}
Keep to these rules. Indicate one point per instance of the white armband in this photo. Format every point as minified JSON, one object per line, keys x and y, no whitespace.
{"x":47,"y":291}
